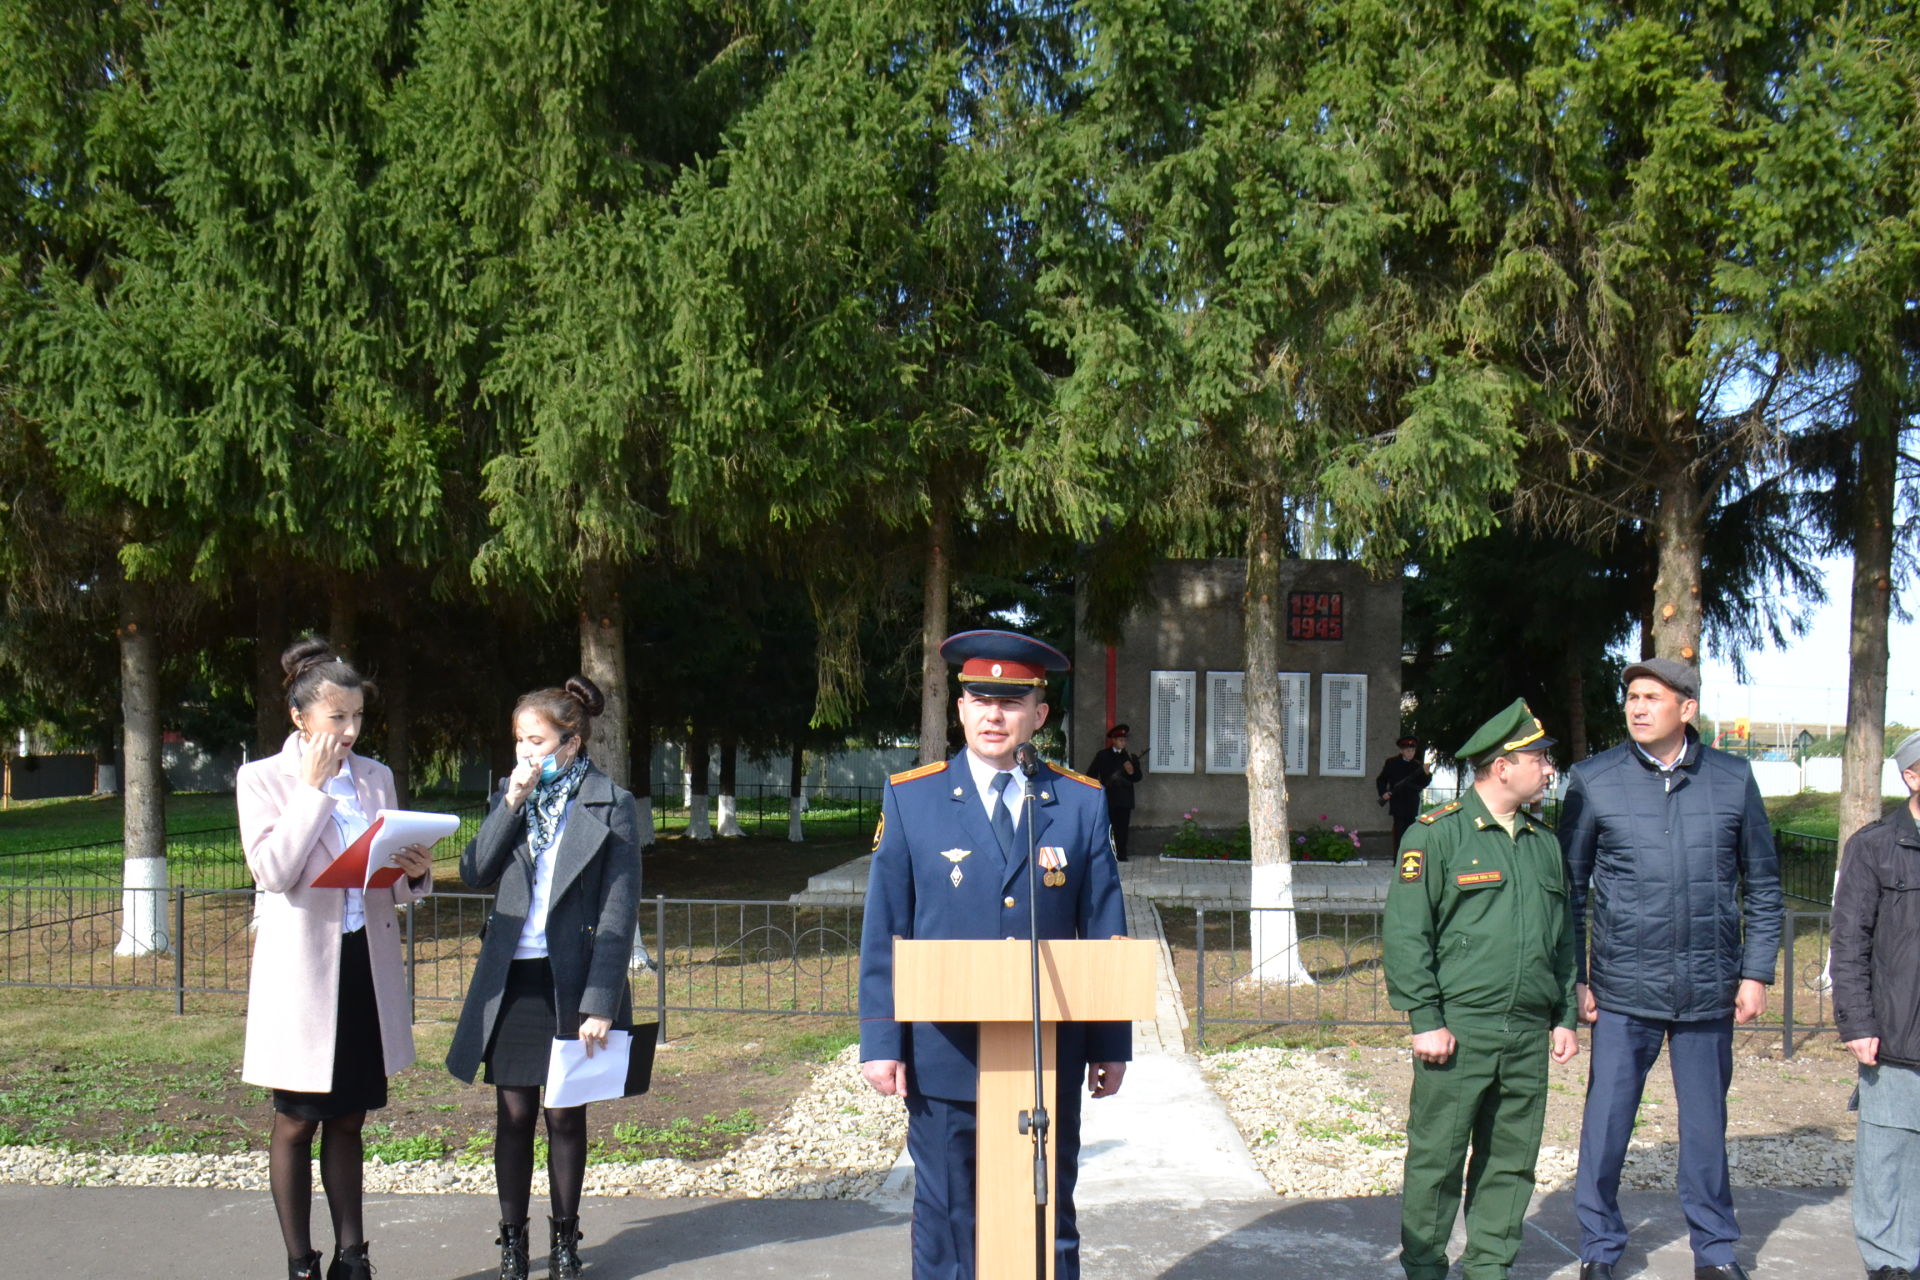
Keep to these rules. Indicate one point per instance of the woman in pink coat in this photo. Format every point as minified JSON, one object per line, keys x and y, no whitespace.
{"x":327,"y":1017}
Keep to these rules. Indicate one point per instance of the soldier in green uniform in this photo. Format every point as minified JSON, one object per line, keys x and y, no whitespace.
{"x":1479,"y":954}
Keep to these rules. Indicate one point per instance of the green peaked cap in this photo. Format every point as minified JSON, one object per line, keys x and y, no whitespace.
{"x":1515,"y":729}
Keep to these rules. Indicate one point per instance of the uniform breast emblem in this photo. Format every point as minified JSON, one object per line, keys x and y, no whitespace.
{"x":956,"y":856}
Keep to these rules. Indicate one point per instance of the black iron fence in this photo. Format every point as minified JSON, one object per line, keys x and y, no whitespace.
{"x":697,"y":956}
{"x":1807,"y":865}
{"x":765,"y":810}
{"x":1279,"y":967}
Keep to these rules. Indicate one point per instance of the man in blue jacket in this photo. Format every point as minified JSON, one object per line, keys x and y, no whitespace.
{"x":1672,"y":872}
{"x":949,"y":862}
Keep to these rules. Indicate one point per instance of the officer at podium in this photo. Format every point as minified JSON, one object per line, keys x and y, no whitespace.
{"x":949,"y":862}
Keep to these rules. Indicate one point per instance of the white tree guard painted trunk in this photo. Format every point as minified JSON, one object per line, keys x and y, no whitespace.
{"x":699,"y":827}
{"x":730,"y":817}
{"x":796,"y":832}
{"x":143,"y":908}
{"x":107,"y":782}
{"x":1275,"y":935}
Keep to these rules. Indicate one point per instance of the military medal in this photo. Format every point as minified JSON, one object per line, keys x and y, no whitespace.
{"x":1053,"y":860}
{"x":954,"y":856}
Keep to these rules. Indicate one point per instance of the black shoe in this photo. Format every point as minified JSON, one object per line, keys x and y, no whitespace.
{"x":350,"y":1263}
{"x":513,"y":1250}
{"x":1596,"y":1271}
{"x":563,"y":1249}
{"x":307,"y":1268}
{"x":1725,"y":1271}
{"x":1890,"y":1273}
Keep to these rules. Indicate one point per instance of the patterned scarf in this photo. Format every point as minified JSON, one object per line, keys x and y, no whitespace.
{"x":549,"y":802}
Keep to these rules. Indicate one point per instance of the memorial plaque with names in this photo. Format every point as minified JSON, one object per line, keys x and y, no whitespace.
{"x":1226,"y":722}
{"x":1294,"y":706}
{"x":1343,"y":725}
{"x":1316,"y":615}
{"x":1170,"y":723}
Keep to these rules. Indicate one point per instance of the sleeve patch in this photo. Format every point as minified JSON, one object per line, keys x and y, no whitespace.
{"x":879,"y":829}
{"x":1413,"y":865}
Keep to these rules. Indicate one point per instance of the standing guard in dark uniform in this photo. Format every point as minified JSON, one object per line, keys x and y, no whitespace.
{"x":949,"y":862}
{"x":1402,"y":778}
{"x":1117,"y":769}
{"x":1479,"y":953}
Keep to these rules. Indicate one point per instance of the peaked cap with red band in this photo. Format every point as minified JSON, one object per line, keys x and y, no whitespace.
{"x":1002,"y":664}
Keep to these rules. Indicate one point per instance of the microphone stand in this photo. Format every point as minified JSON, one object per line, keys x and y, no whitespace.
{"x":1035,"y":1122}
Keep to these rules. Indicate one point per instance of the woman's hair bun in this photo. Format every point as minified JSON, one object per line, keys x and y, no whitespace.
{"x":303,"y":655}
{"x":587,"y":694}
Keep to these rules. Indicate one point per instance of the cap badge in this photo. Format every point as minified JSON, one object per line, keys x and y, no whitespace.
{"x":998,"y":669}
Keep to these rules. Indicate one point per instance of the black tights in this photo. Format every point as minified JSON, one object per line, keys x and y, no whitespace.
{"x":290,"y":1173}
{"x":519,"y":1110}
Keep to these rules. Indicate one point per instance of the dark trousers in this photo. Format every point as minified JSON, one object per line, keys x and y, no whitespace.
{"x":1120,"y":822}
{"x":940,"y":1138}
{"x":1473,"y":1131}
{"x":1700,"y":1055}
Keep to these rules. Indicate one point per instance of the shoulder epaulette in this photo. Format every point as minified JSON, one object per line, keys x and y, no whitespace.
{"x":925,"y":770}
{"x":1077,"y":777}
{"x":1437,"y":814}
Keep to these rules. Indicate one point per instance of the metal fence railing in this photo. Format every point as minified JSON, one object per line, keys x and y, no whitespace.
{"x":707,"y":955}
{"x":764,"y":809}
{"x":1807,"y":865}
{"x":1340,"y":951}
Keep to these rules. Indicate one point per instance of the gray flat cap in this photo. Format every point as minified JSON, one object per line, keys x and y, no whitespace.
{"x":1907,"y":754}
{"x":1671,"y":672}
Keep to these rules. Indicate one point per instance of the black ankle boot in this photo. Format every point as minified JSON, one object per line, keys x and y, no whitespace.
{"x":563,"y":1251}
{"x":307,"y":1268}
{"x":350,"y":1263}
{"x":513,"y":1250}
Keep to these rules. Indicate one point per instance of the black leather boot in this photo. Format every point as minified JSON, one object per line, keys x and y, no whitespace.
{"x":350,"y":1263}
{"x":513,"y":1250}
{"x":307,"y":1268}
{"x":563,"y":1251}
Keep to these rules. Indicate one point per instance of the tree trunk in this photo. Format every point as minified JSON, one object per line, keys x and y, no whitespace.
{"x":1860,"y":764}
{"x":603,"y":660}
{"x":796,"y":773}
{"x":642,"y":771}
{"x":699,"y":827}
{"x":143,"y":910}
{"x":343,"y":615}
{"x":1679,"y":532}
{"x":269,"y":640}
{"x":936,"y":592}
{"x":1576,"y":704}
{"x":396,"y":676}
{"x":729,"y":786}
{"x":1274,"y":932}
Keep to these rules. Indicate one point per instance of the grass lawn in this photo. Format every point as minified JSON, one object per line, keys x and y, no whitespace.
{"x":1814,"y":813}
{"x":31,"y":825}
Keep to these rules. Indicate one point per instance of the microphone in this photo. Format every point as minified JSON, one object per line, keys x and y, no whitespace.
{"x":1027,"y":760}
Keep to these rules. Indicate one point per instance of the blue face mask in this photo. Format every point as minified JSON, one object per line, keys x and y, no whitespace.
{"x":549,"y":769}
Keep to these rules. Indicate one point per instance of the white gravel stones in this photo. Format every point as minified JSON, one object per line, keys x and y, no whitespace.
{"x":1317,"y":1129}
{"x":837,"y":1141}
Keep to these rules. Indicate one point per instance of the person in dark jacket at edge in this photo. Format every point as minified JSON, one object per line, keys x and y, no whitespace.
{"x":1876,"y":1004}
{"x":1671,"y":869}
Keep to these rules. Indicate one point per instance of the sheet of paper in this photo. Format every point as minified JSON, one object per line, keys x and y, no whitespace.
{"x":401,"y":827}
{"x":574,"y":1078}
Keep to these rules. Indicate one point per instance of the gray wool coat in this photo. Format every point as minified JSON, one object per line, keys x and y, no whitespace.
{"x":590,"y":913}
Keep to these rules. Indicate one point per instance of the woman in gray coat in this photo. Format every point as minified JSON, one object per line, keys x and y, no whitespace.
{"x":559,"y":844}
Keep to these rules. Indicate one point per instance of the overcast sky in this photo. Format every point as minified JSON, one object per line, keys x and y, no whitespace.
{"x":1807,"y":682}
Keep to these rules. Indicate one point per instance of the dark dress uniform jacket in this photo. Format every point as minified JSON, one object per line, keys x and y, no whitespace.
{"x":590,"y":913}
{"x":1679,"y":886}
{"x":934,"y":811}
{"x":1876,"y":938}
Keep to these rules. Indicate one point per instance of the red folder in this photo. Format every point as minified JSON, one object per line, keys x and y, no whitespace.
{"x":349,"y":870}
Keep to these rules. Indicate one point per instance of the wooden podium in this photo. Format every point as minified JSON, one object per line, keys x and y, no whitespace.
{"x":990,"y":982}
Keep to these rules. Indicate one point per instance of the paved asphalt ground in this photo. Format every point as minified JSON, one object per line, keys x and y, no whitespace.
{"x":166,"y":1234}
{"x":1167,"y":1190}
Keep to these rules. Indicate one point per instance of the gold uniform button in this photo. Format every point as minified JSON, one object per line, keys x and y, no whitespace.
{"x":1006,"y":902}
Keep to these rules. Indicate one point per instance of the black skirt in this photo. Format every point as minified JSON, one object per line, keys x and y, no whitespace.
{"x":523,"y":1034}
{"x":359,"y":1061}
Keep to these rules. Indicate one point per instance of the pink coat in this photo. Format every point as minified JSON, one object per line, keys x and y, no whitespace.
{"x":288,"y":831}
